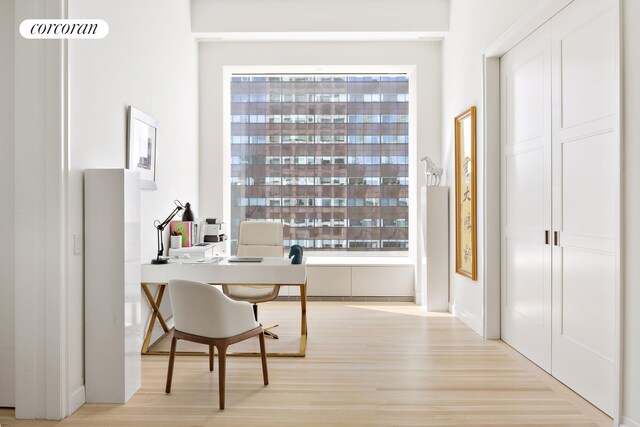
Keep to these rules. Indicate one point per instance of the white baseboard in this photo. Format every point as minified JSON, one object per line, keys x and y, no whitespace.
{"x":628,"y":422}
{"x":77,"y":399}
{"x":467,"y":318}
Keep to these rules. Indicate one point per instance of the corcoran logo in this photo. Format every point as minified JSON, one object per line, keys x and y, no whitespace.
{"x":64,"y":29}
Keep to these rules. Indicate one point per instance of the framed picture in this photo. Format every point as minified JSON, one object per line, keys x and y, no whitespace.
{"x":142,"y":147}
{"x":465,"y":153}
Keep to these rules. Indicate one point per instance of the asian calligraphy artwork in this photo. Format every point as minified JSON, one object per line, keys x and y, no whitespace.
{"x":465,"y":158}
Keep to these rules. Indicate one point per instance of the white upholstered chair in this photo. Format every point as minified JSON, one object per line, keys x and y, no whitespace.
{"x":258,"y":239}
{"x":205,"y":315}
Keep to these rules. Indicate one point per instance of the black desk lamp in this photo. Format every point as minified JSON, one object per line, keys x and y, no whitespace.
{"x":160,"y":226}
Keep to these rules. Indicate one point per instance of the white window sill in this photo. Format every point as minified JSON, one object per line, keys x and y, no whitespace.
{"x":358,"y":261}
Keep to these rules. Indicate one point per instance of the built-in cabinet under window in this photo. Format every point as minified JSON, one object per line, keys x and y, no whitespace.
{"x":344,"y":278}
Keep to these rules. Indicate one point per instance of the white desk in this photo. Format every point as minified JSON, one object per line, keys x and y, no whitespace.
{"x":271,"y":271}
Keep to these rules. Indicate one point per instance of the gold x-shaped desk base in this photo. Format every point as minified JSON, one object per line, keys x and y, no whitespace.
{"x":154,"y":303}
{"x":155,"y":307}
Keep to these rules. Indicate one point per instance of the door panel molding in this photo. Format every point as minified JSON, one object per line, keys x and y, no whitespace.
{"x":526,"y":197}
{"x":585,"y":200}
{"x":584,"y":177}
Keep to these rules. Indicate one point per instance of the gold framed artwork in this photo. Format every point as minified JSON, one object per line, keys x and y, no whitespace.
{"x":465,"y":170}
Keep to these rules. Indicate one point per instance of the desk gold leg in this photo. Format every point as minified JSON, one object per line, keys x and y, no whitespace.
{"x":303,"y":329}
{"x":155,"y":306}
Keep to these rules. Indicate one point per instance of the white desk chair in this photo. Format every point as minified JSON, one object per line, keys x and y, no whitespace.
{"x":258,"y":239}
{"x":205,"y":315}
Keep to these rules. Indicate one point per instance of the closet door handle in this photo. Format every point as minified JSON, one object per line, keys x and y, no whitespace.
{"x":546,"y":236}
{"x":556,"y":238}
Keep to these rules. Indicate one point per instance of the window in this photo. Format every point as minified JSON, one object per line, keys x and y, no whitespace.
{"x":327,"y":156}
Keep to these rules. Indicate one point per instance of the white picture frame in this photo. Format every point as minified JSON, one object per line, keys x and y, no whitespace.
{"x":142,"y":147}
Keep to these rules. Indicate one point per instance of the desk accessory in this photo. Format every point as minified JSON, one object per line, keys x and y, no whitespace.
{"x":187,"y":215}
{"x":176,"y":241}
{"x":215,"y":239}
{"x":184,"y":229}
{"x":296,"y":253}
{"x":212,"y":231}
{"x":160,"y":226}
{"x":195,"y":261}
{"x":245,"y":259}
{"x":195,"y":252}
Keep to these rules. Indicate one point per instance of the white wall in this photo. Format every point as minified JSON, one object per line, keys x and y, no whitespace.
{"x":631,"y":188}
{"x":271,"y":16}
{"x":473,"y":26}
{"x":7,"y":337}
{"x":148,"y":60}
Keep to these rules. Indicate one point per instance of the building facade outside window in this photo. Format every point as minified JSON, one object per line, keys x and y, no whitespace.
{"x":326,"y":155}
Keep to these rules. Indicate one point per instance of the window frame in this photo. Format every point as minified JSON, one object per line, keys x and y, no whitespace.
{"x":414,"y":190}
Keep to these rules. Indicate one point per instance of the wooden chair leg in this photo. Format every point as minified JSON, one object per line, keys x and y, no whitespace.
{"x":263,"y":356}
{"x":210,"y":357}
{"x":172,"y":359}
{"x":222,"y":371}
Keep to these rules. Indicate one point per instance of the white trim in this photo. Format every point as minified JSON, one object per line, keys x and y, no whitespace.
{"x":318,"y":68}
{"x":628,"y":422}
{"x":359,"y":254}
{"x":540,"y":13}
{"x":56,"y":213}
{"x":412,"y":74}
{"x":414,"y":187}
{"x":77,"y":398}
{"x":619,"y":297}
{"x":491,"y":203}
{"x":359,"y":261}
{"x":532,"y":20}
{"x":41,"y":212}
{"x":466,"y":317}
{"x":56,"y":243}
{"x":65,"y":154}
{"x":226,"y":150}
{"x":543,"y":11}
{"x":74,"y":398}
{"x":335,"y":36}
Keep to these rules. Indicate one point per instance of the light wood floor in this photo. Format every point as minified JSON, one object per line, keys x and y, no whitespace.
{"x":366,"y":364}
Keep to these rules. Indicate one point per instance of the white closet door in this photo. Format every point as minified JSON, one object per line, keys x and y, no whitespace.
{"x":526,"y":197}
{"x":585,"y":196}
